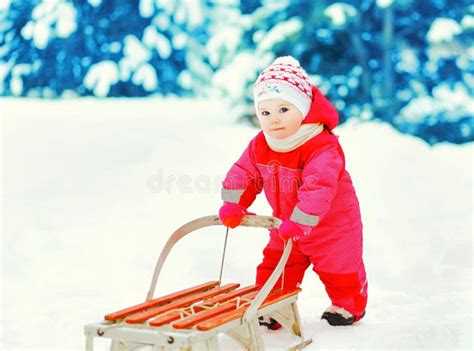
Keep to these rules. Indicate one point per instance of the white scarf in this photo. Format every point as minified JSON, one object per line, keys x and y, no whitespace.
{"x":304,"y":133}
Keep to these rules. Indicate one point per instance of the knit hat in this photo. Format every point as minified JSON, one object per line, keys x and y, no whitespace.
{"x":284,"y":79}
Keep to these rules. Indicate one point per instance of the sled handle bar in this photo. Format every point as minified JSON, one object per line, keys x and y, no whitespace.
{"x":247,"y":221}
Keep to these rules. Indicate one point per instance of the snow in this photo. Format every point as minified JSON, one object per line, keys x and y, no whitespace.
{"x":277,"y":34}
{"x":199,"y":71}
{"x":408,"y":61}
{"x":167,"y":6}
{"x":135,"y":51}
{"x":467,"y":21}
{"x":222,"y":41}
{"x":152,"y":38}
{"x":161,"y":21}
{"x":101,"y":76}
{"x":452,"y":102}
{"x":93,"y":188}
{"x":146,"y":77}
{"x":5,"y":5}
{"x":185,"y":79}
{"x":443,"y":29}
{"x":384,"y":3}
{"x":49,"y":19}
{"x":66,"y":21}
{"x":340,"y":12}
{"x":146,"y":8}
{"x":133,"y":66}
{"x":179,"y":40}
{"x":190,"y":12}
{"x":16,"y":83}
{"x":244,"y":63}
{"x":94,"y":3}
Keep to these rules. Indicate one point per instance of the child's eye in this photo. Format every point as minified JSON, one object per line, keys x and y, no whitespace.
{"x":265,"y":113}
{"x":283,"y":110}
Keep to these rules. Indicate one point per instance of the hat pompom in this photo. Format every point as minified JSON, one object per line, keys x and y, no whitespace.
{"x":286,"y":60}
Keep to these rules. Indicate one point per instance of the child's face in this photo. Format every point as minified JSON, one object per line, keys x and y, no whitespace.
{"x":279,"y":118}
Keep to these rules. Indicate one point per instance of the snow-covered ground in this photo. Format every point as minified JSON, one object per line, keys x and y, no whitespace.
{"x":91,"y":190}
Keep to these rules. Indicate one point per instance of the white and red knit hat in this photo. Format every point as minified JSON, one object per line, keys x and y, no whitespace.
{"x":284,"y":79}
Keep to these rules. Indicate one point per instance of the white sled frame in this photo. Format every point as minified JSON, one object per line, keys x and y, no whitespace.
{"x":245,"y":330}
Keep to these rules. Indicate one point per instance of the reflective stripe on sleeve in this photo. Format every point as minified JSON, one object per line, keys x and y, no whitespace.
{"x":300,"y":217}
{"x":232,"y":196}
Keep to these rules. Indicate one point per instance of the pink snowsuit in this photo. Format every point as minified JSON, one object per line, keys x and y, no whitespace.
{"x":310,"y":186}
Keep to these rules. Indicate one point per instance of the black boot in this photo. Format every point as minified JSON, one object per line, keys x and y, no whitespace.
{"x":337,"y":316}
{"x":269,"y":322}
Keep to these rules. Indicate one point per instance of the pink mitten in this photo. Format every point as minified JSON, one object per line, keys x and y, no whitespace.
{"x":231,"y":214}
{"x":292,"y":230}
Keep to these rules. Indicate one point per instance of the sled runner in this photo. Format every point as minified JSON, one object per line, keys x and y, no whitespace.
{"x":192,"y":319}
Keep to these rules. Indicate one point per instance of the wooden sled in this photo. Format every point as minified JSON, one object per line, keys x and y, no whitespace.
{"x":192,"y":319}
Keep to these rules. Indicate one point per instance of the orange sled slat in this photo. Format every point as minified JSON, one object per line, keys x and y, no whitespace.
{"x":159,"y":301}
{"x":202,"y":316}
{"x":141,"y":317}
{"x":237,"y":313}
{"x":190,"y":321}
{"x":165,"y":319}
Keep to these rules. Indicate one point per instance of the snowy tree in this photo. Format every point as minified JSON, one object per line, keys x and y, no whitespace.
{"x":439,"y":106}
{"x":409,"y":63}
{"x":122,"y":48}
{"x":374,"y":59}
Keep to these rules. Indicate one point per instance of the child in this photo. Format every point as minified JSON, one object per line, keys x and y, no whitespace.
{"x":300,"y":165}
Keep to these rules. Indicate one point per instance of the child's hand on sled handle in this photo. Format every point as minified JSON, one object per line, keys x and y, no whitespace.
{"x":292,"y":230}
{"x":231,"y":214}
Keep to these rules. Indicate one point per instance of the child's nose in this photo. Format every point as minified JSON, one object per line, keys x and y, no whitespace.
{"x":275,"y":120}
